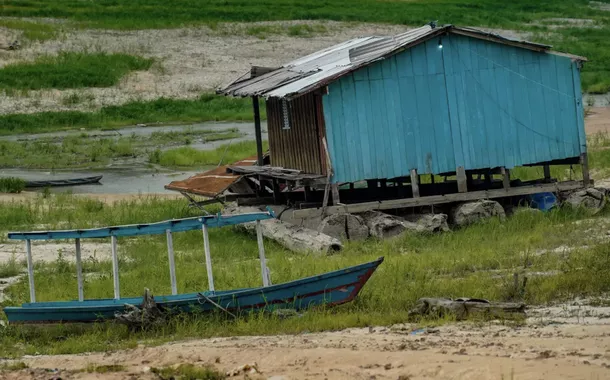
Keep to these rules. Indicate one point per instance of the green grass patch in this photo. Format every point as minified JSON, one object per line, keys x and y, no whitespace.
{"x":187,"y":157}
{"x":478,"y":261}
{"x":10,"y":268}
{"x":83,"y":151}
{"x":525,"y":15}
{"x":13,"y":366}
{"x":141,"y":14}
{"x":71,"y":70}
{"x":207,"y":107}
{"x":188,"y":372}
{"x":32,"y":31}
{"x":104,"y":368}
{"x":300,"y":30}
{"x":11,"y":184}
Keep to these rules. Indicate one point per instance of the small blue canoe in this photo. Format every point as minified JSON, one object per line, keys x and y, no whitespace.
{"x":330,"y":289}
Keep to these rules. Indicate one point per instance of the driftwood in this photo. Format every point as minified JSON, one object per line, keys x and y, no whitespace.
{"x":464,"y":308}
{"x":591,"y":199}
{"x":426,"y":222}
{"x":344,"y":227}
{"x":383,"y":226}
{"x":291,"y":236}
{"x":144,"y":317}
{"x":471,"y":212}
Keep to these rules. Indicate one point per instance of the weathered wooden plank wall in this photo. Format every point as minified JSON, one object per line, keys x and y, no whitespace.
{"x":299,"y":146}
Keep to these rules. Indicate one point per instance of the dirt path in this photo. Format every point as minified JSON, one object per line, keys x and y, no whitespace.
{"x":567,"y":342}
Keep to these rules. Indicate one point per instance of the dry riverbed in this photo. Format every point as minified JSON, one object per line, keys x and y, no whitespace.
{"x":569,"y":341}
{"x":188,"y":61}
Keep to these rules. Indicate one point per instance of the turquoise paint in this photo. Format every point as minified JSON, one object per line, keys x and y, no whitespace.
{"x":473,"y":103}
{"x":175,"y":225}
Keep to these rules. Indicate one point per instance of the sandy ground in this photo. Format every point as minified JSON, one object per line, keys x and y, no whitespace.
{"x":189,"y":60}
{"x":597,"y":120}
{"x":564,"y":342}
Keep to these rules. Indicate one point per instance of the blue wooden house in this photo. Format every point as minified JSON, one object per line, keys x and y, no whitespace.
{"x":444,"y":101}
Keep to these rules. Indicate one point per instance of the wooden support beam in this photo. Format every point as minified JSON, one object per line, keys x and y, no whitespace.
{"x":505,"y":178}
{"x":439,"y":199}
{"x":584,"y":161}
{"x":261,"y":254}
{"x":414,"y":183}
{"x":335,"y":190}
{"x":28,"y":256}
{"x":115,"y":268}
{"x":79,"y":272}
{"x":547,"y":173}
{"x":257,"y":130}
{"x":172,"y":263}
{"x":488,"y":179}
{"x":462,"y":182}
{"x":208,"y":257}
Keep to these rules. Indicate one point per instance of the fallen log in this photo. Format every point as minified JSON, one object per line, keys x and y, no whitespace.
{"x":344,"y":227}
{"x":382,"y":225}
{"x":471,"y":212}
{"x":464,"y":308}
{"x":291,"y":236}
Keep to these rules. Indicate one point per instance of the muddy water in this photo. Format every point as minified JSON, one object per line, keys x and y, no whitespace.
{"x":131,"y":176}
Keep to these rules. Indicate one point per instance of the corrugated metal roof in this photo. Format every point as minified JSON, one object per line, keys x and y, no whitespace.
{"x":320,"y":68}
{"x":210,"y":183}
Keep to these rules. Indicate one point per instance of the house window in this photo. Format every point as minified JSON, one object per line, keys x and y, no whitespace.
{"x":285,"y":114}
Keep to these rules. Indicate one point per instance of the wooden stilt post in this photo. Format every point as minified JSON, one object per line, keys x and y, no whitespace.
{"x":261,"y":254}
{"x":547,"y":173}
{"x":172,"y":264}
{"x":79,"y":272}
{"x":28,"y":254}
{"x":115,"y":268}
{"x":584,"y":161}
{"x":335,"y":190}
{"x":257,"y":130}
{"x":208,"y":257}
{"x":462,"y":181}
{"x":505,"y":177}
{"x":415,"y":183}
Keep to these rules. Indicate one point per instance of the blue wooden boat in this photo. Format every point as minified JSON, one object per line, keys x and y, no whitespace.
{"x":328,"y":289}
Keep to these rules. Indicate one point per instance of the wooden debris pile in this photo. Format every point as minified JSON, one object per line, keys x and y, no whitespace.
{"x":144,"y":317}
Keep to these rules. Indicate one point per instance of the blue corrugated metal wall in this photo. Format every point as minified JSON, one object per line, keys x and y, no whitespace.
{"x":471,"y":103}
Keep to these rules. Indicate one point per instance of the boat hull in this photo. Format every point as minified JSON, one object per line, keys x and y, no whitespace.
{"x":328,"y":289}
{"x":64,"y":182}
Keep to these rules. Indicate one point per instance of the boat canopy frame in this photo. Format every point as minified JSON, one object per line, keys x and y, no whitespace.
{"x":165,"y":227}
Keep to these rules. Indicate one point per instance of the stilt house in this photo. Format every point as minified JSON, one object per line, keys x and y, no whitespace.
{"x":387,"y":111}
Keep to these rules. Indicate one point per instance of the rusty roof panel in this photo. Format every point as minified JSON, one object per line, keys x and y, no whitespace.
{"x":210,"y":183}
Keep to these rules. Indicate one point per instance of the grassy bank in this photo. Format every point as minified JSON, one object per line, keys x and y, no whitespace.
{"x":187,"y":157}
{"x":142,"y":14}
{"x":545,"y":19}
{"x":32,"y":31}
{"x":477,"y":261}
{"x":207,"y":107}
{"x":84,"y":151}
{"x":70,"y":70}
